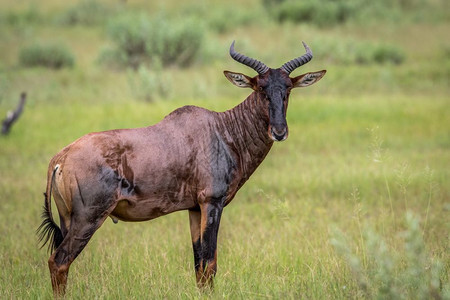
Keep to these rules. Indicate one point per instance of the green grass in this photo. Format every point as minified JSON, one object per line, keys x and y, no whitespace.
{"x":368,"y":145}
{"x":274,"y":238}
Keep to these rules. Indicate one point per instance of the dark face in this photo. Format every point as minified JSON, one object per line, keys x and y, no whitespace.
{"x":276,"y":86}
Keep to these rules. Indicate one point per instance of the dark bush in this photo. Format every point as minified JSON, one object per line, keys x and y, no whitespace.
{"x":54,"y":56}
{"x":295,"y":11}
{"x":388,"y":54}
{"x":321,"y":13}
{"x":326,"y":13}
{"x":31,"y":15}
{"x":270,"y":3}
{"x":86,"y":12}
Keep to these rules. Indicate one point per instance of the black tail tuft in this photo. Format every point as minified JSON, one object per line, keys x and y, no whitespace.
{"x":49,"y":230}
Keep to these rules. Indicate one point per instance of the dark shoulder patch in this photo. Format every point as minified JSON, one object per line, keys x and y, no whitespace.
{"x":223,"y":165}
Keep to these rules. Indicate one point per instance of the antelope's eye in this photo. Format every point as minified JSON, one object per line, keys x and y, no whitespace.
{"x":261,"y":89}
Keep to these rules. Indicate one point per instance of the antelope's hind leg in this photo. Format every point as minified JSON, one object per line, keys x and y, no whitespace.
{"x":80,"y":232}
{"x":90,"y":210}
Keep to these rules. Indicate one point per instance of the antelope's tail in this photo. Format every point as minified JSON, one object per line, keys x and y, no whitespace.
{"x":49,"y":231}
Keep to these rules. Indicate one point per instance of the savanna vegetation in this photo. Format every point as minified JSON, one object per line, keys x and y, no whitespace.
{"x":354,"y":205}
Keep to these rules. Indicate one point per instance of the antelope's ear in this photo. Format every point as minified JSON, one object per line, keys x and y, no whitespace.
{"x":240,"y":80}
{"x":307,"y":78}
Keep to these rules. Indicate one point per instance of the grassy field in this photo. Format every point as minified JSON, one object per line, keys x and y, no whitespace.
{"x":354,"y":205}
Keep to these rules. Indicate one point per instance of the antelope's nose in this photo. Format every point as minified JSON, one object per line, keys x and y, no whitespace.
{"x":279,"y":134}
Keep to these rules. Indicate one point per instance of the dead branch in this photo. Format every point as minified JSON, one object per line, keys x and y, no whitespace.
{"x":12,"y":116}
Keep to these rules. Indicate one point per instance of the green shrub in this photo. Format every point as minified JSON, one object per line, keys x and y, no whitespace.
{"x":349,"y":51}
{"x":175,"y":42}
{"x":368,"y":53}
{"x":129,"y":34}
{"x":150,"y":84}
{"x":223,"y":18}
{"x":54,"y":56}
{"x":86,"y":12}
{"x":385,"y":273}
{"x":271,"y":3}
{"x":31,"y":15}
{"x":139,"y":39}
{"x":114,"y":58}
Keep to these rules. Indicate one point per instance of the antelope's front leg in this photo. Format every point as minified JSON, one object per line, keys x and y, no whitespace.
{"x":194,"y":221}
{"x":205,"y":248}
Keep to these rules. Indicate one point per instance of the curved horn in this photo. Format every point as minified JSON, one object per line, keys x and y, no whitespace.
{"x":299,"y":61}
{"x":250,"y":62}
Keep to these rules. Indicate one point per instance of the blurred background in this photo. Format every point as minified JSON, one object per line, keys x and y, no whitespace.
{"x":354,"y":204}
{"x":143,"y":51}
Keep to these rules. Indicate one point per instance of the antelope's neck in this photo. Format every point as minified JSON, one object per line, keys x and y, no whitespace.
{"x":245,"y":131}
